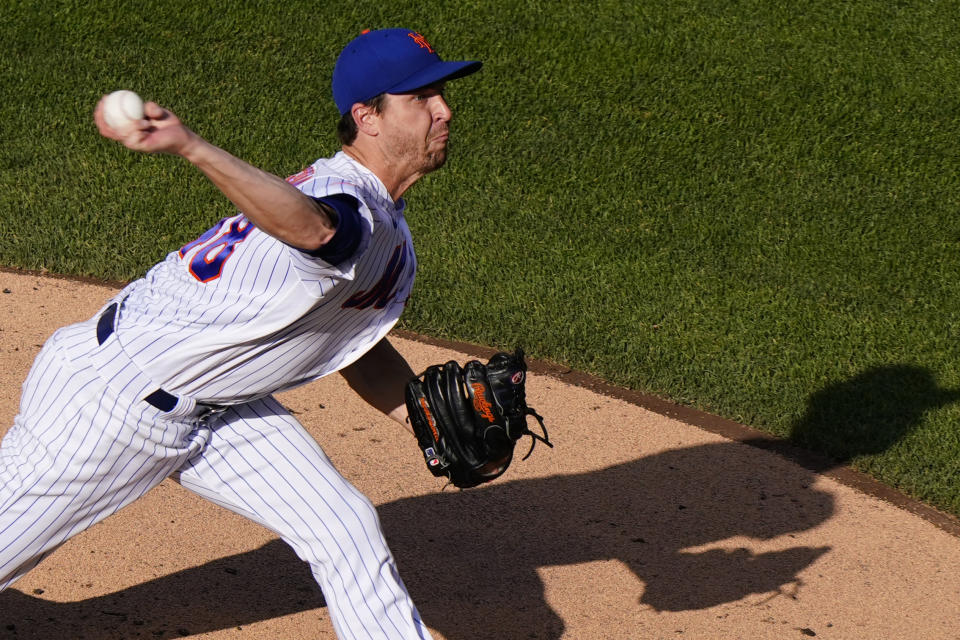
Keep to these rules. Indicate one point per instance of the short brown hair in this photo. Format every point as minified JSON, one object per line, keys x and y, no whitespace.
{"x":347,"y":128}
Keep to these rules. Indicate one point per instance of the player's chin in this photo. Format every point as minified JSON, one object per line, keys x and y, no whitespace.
{"x":435,"y":160}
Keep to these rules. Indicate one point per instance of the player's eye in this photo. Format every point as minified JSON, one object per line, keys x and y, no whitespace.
{"x":426,"y":94}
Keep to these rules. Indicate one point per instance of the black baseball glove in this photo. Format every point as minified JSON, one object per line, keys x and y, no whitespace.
{"x":468,"y":419}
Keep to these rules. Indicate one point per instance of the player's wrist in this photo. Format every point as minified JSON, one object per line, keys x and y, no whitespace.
{"x":400,"y":416}
{"x":195,"y":149}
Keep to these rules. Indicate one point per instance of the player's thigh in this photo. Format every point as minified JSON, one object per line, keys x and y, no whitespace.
{"x":261,"y":462}
{"x":77,"y":452}
{"x":75,"y":437}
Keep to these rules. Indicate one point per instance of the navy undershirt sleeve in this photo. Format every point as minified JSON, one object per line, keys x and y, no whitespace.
{"x":347,"y":237}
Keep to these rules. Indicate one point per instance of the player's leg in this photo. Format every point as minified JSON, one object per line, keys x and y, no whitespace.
{"x":76,"y":454}
{"x":260,"y":462}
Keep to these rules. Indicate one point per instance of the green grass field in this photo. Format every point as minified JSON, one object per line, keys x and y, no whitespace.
{"x":740,"y":206}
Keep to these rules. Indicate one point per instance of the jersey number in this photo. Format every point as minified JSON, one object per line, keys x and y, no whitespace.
{"x":207,"y":263}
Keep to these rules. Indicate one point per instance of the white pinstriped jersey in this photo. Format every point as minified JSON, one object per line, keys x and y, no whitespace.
{"x":237,"y":314}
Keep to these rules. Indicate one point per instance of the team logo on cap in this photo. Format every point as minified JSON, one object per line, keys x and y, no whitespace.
{"x":421,"y":41}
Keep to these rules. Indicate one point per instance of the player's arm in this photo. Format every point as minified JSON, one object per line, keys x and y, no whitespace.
{"x":379,"y":377}
{"x":270,"y":202}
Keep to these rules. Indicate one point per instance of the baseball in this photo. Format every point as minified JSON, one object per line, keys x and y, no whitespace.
{"x":121,"y":109}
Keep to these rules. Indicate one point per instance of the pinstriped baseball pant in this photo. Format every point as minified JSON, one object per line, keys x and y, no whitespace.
{"x":83,"y":447}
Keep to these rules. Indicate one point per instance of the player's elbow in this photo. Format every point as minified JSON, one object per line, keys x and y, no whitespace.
{"x":313,"y":241}
{"x":340,"y":231}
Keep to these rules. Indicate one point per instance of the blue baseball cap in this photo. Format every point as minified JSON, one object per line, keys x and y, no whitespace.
{"x":390,"y":61}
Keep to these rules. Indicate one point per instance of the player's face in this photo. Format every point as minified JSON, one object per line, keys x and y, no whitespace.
{"x":416,"y":127}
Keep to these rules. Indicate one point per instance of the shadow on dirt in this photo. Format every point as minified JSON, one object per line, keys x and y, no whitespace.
{"x":470,"y":559}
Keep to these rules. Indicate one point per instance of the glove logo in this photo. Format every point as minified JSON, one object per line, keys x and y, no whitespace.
{"x":430,"y":420}
{"x":480,"y":402}
{"x":517,"y":377}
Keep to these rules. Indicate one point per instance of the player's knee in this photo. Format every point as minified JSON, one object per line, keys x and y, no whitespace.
{"x":358,"y":523}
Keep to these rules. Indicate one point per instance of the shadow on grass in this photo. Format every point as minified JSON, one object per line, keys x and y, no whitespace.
{"x":871,"y":412}
{"x":471,"y":559}
{"x":865,"y":415}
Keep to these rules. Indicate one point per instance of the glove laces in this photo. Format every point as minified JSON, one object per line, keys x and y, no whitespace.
{"x":545,"y":438}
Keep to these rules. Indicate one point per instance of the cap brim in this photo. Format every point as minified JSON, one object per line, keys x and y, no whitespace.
{"x":438,"y":72}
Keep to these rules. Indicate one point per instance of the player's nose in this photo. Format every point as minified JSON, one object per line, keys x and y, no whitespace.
{"x":441,"y":110}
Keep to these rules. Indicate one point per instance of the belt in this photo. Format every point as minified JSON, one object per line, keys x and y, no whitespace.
{"x":160,"y":399}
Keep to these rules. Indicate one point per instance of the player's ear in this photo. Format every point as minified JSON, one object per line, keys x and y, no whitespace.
{"x":366,"y":118}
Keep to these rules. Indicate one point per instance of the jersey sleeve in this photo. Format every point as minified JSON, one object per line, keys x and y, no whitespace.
{"x":346,"y":239}
{"x":320,"y":269}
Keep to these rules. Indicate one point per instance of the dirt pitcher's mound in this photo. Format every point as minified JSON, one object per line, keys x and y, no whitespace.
{"x":635,"y":526}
